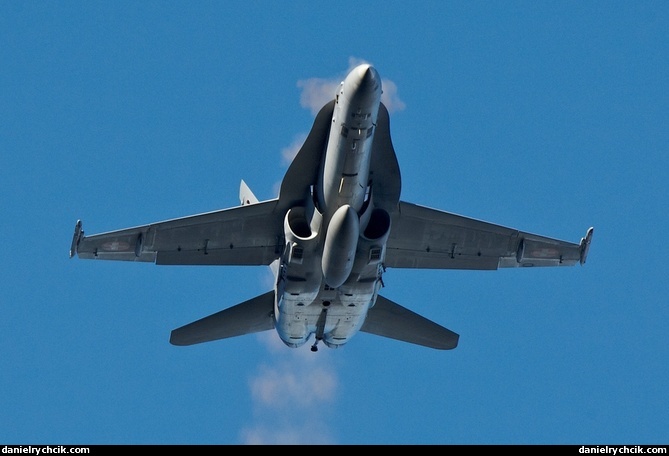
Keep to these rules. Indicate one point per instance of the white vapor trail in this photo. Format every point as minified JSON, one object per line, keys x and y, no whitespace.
{"x":289,"y":395}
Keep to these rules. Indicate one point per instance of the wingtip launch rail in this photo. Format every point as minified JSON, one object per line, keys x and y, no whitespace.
{"x":585,"y":245}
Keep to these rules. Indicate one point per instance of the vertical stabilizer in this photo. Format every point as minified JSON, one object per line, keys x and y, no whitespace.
{"x":246,"y":196}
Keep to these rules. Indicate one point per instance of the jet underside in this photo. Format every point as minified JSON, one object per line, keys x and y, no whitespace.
{"x":335,"y":227}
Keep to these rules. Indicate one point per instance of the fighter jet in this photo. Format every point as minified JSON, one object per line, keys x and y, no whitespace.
{"x":336,"y":226}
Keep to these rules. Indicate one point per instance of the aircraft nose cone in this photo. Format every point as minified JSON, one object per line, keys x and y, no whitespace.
{"x":366,"y":78}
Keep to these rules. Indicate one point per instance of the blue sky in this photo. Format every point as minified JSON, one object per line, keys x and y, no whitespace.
{"x":549,"y":117}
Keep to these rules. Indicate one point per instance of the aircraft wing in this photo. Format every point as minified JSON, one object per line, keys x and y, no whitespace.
{"x":244,"y":235}
{"x":422,"y":237}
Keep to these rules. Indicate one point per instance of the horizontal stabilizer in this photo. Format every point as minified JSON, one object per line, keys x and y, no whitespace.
{"x":251,"y":316}
{"x":391,"y":320}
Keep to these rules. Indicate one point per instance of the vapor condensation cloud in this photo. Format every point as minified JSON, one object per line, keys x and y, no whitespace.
{"x":289,"y":395}
{"x":318,"y":91}
{"x":288,"y":153}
